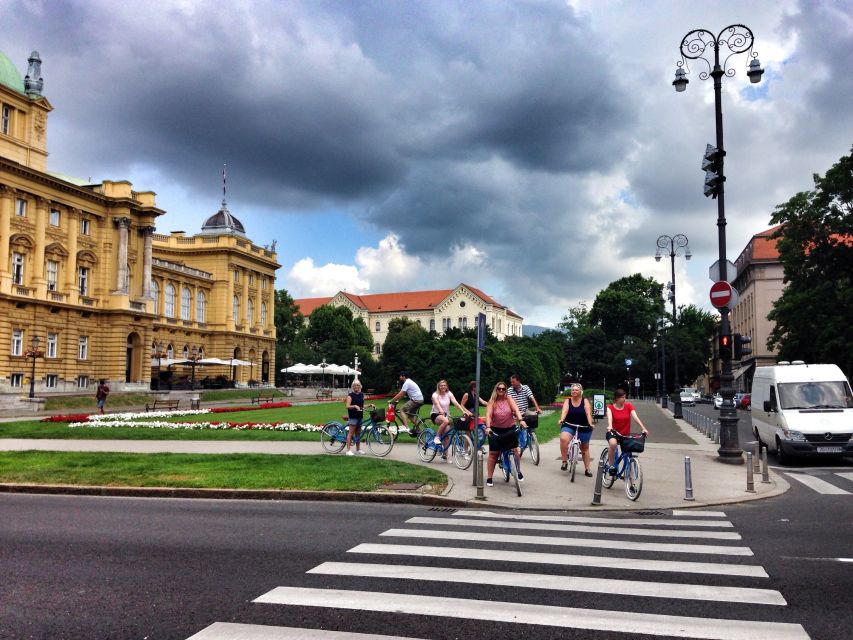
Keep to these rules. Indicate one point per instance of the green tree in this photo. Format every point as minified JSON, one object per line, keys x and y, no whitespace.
{"x":815,"y":242}
{"x":695,"y":331}
{"x":289,"y":340}
{"x":334,"y":334}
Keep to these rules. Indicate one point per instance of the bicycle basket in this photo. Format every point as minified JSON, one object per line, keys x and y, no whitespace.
{"x":633,"y":444}
{"x":375,"y":416}
{"x":462,"y":423}
{"x":531,"y":420}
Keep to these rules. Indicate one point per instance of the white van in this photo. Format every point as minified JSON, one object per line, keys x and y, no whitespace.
{"x":803,"y":409}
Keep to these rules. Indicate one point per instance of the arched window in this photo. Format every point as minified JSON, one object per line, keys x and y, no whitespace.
{"x":250,"y":312}
{"x":186,"y":303}
{"x":155,"y":293}
{"x":170,"y":301}
{"x":235,"y":310}
{"x":378,"y":326}
{"x":186,"y":351}
{"x":200,"y":305}
{"x":170,"y":352}
{"x":263,"y":314}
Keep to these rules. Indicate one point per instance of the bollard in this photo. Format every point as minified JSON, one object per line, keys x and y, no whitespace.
{"x":717,"y":433}
{"x":599,"y":478}
{"x":688,"y":479}
{"x":765,"y":471}
{"x":750,"y":480}
{"x":480,"y":485}
{"x":756,"y":459}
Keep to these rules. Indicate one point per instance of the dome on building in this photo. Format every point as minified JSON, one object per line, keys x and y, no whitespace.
{"x":9,"y":75}
{"x":222,"y":222}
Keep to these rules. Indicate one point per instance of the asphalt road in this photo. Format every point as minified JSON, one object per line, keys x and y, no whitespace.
{"x":87,"y":567}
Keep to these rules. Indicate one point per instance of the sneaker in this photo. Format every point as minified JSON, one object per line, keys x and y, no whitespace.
{"x":444,"y":457}
{"x":564,"y":466}
{"x":520,"y":477}
{"x":350,"y":453}
{"x":588,"y":473}
{"x":414,"y":432}
{"x":436,"y":440}
{"x":489,"y":482}
{"x":360,"y":452}
{"x":612,"y":471}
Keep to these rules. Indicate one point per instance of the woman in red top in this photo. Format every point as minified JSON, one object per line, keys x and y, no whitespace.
{"x":619,"y":416}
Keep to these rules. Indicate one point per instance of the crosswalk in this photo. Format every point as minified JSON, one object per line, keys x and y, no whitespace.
{"x":825,"y":483}
{"x":674,"y":575}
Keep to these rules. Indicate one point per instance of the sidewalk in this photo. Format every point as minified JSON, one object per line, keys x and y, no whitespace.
{"x":544,"y":487}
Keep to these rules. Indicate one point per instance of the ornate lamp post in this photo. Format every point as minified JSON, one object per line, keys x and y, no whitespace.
{"x":696,"y":45}
{"x":323,"y":366}
{"x":193,"y":358}
{"x":33,"y":352}
{"x":675,"y":244}
{"x":159,"y":353}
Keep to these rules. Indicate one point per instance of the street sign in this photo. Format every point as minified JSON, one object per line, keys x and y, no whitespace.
{"x":636,"y":382}
{"x":598,"y":406}
{"x":728,"y":276}
{"x":723,"y":295}
{"x":628,"y":362}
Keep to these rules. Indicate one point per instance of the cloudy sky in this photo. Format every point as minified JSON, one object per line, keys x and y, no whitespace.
{"x":535,"y":149}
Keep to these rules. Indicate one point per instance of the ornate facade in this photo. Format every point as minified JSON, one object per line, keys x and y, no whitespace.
{"x":83,"y":270}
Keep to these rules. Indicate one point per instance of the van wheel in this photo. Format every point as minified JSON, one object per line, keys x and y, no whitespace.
{"x":781,"y":456}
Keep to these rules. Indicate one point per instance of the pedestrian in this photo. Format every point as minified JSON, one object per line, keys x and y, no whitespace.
{"x":442,"y":398}
{"x":619,"y":416}
{"x":501,"y":413}
{"x":415,"y":400}
{"x":101,"y":395}
{"x":354,"y":403}
{"x":576,"y":422}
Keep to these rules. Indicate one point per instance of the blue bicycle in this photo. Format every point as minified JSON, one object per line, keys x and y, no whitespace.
{"x":506,"y":460}
{"x":626,"y":465}
{"x":527,"y":438}
{"x":379,"y":439}
{"x":453,"y":441}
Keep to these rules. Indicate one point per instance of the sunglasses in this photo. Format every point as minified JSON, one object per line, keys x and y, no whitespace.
{"x":501,"y":388}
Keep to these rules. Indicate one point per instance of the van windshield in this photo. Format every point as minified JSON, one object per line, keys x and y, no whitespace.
{"x":815,"y":395}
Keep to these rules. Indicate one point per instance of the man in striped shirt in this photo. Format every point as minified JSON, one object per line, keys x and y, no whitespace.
{"x":522,"y":394}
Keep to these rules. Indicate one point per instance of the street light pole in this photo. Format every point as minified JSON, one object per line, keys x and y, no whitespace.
{"x":34,"y":353}
{"x":675,"y":244}
{"x":737,"y":38}
{"x":193,"y":360}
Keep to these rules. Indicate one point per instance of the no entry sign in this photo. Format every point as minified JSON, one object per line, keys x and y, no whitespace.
{"x":723,"y":295}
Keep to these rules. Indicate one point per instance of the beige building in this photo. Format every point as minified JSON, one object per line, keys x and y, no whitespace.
{"x":437,"y":310}
{"x":83,"y":271}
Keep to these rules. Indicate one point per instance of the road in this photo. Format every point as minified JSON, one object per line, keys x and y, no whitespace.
{"x":89,"y":567}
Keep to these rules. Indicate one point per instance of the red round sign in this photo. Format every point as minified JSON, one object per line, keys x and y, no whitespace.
{"x":721,"y":294}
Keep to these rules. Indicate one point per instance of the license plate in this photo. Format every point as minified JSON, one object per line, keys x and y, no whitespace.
{"x":829,"y":450}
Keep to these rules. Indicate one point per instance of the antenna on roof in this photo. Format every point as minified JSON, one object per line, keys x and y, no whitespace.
{"x":224,"y":191}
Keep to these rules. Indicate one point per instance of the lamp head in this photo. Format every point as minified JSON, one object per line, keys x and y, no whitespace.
{"x":687,"y":253}
{"x":36,"y":341}
{"x":657,"y":255}
{"x":680,"y":82}
{"x":755,"y":71}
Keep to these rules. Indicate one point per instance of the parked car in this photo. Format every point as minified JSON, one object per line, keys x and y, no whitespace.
{"x":687,"y":398}
{"x":736,"y":399}
{"x":746,"y":402}
{"x":718,"y":401}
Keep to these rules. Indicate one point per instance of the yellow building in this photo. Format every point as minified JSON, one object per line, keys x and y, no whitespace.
{"x":83,"y":270}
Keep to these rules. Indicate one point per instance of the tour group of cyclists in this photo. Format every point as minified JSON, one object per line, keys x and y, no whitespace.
{"x":508,"y":406}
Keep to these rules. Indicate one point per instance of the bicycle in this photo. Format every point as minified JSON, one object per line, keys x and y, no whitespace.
{"x":527,"y":438}
{"x":379,"y":440}
{"x":574,"y":453}
{"x":627,"y":466}
{"x":507,"y":462}
{"x":416,"y":423}
{"x":454,"y":440}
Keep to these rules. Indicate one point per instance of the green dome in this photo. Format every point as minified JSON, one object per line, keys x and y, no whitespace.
{"x":9,"y":75}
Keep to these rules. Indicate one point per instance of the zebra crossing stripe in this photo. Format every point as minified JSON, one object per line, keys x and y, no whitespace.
{"x":551,"y":541}
{"x":235,"y":631}
{"x":816,"y":484}
{"x":594,"y":520}
{"x":545,"y":526}
{"x":535,"y":614}
{"x":607,"y":562}
{"x":554,"y":582}
{"x":695,"y":513}
{"x":845,"y":474}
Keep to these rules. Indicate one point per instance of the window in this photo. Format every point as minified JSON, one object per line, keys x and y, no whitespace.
{"x":16,"y":380}
{"x":186,"y":352}
{"x":7,"y":119}
{"x":378,"y":326}
{"x":464,"y":323}
{"x":236,"y":276}
{"x":263,"y":314}
{"x":432,"y":325}
{"x":170,"y":352}
{"x":264,"y":284}
{"x":21,"y":208}
{"x":52,"y":274}
{"x":51,"y":380}
{"x":83,"y":347}
{"x":170,"y":301}
{"x":84,"y":226}
{"x":82,"y":382}
{"x":235,"y":309}
{"x":155,"y":293}
{"x":250,"y":311}
{"x":377,"y":348}
{"x":52,"y":344}
{"x":17,"y":268}
{"x":17,"y":342}
{"x":446,"y":324}
{"x":251,"y":279}
{"x":200,"y":306}
{"x":54,"y":217}
{"x":83,"y":280}
{"x":186,"y":303}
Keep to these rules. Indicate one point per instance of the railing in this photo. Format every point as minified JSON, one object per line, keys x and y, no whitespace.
{"x":89,"y":302}
{"x":57,"y":297}
{"x":137,"y":306}
{"x":24,"y":291}
{"x":165,"y":264}
{"x":709,"y":427}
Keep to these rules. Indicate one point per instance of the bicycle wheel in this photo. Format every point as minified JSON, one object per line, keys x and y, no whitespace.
{"x":426,"y":448}
{"x":379,"y":440}
{"x":463,"y":451}
{"x":574,"y":454}
{"x":504,"y":462}
{"x":607,"y":480}
{"x":393,"y":428}
{"x":534,"y":448}
{"x":633,"y":479}
{"x":333,"y":437}
{"x":516,"y":470}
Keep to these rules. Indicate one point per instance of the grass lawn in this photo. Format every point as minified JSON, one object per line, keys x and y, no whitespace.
{"x":88,"y":402}
{"x":235,"y":471}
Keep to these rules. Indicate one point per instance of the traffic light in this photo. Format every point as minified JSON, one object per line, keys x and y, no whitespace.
{"x":740,"y":343}
{"x":712,"y":165}
{"x":726,"y":347}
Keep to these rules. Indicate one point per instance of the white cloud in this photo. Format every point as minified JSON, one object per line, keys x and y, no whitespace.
{"x":306,"y":280}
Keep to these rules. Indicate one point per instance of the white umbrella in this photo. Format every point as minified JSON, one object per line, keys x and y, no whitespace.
{"x":236,"y":362}
{"x":212,"y":361}
{"x":296,"y":368}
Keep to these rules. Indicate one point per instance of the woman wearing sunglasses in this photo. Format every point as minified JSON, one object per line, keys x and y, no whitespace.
{"x":501,"y":414}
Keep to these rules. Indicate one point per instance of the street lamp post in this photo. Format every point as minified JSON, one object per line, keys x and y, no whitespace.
{"x":159,"y":354}
{"x":323,"y":366}
{"x":33,"y":352}
{"x":194,"y":356}
{"x":675,"y":244}
{"x":736,"y":38}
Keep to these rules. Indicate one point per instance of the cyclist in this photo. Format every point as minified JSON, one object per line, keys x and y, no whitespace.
{"x":521,"y":395}
{"x":415,"y":400}
{"x":576,"y":422}
{"x":354,"y":403}
{"x":441,"y":401}
{"x":501,"y":412}
{"x":619,"y":416}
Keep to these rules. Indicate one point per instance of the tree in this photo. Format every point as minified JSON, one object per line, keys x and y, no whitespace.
{"x":289,"y":324}
{"x":815,"y":242}
{"x":695,"y":330}
{"x":629,"y":306}
{"x":334,"y":334}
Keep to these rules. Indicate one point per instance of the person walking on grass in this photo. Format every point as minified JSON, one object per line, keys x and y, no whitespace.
{"x":354,"y":403}
{"x":101,"y":395}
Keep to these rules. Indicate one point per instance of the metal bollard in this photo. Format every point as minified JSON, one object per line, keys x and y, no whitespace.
{"x":717,"y":433}
{"x":765,"y":471}
{"x":599,"y":478}
{"x":480,"y":485}
{"x":688,"y":479}
{"x":756,"y":459}
{"x":750,"y":480}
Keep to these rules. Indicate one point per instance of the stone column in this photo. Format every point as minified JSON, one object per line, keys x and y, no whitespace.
{"x":7,"y":202}
{"x":38,"y":251}
{"x":244,"y":303}
{"x":123,"y":225}
{"x":71,"y":267}
{"x":148,"y":239}
{"x":229,"y":302}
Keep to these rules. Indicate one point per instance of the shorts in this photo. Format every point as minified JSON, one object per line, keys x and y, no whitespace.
{"x":503,"y":439}
{"x":433,"y":416}
{"x":584,"y":434}
{"x":101,"y":402}
{"x":355,"y":422}
{"x":613,"y":434}
{"x":411,"y":407}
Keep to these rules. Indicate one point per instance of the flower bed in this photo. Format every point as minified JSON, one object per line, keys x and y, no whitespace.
{"x":162,"y":424}
{"x":97,"y":417}
{"x":265,"y":405}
